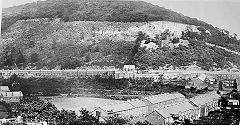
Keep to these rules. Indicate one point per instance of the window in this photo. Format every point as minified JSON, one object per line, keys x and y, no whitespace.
{"x":98,"y":113}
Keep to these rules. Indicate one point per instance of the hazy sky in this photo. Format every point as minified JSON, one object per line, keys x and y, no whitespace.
{"x":220,"y":13}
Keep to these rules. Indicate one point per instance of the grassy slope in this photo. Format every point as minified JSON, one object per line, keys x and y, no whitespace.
{"x":71,"y":44}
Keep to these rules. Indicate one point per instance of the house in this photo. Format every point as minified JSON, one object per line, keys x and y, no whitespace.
{"x":7,"y":96}
{"x":206,"y":102}
{"x":129,"y":67}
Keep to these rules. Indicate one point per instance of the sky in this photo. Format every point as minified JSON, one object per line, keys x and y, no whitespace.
{"x":224,"y":14}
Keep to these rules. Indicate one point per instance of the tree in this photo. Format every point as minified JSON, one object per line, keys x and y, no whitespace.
{"x":141,"y":36}
{"x":88,"y":57}
{"x":87,"y":118}
{"x":175,"y":40}
{"x":143,"y":123}
{"x":116,"y":119}
{"x":8,"y":60}
{"x":20,"y":59}
{"x":34,"y":58}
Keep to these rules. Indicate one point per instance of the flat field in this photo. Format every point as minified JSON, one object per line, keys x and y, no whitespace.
{"x":77,"y":103}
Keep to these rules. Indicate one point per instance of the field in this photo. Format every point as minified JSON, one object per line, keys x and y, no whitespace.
{"x":77,"y":103}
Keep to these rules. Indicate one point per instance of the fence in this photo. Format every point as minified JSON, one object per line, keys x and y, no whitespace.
{"x":15,"y":121}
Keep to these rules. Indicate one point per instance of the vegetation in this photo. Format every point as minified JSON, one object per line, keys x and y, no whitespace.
{"x":4,"y":109}
{"x":94,"y":10}
{"x":97,"y":86}
{"x":197,"y":51}
{"x":46,"y":41}
{"x":35,"y":108}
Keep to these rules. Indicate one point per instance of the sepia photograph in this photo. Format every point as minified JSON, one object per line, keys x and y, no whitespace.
{"x":119,"y":62}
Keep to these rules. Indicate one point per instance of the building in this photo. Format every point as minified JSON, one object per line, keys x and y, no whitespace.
{"x":138,"y":109}
{"x":11,"y":96}
{"x":206,"y":102}
{"x":155,"y":77}
{"x":164,"y":115}
{"x":129,"y":67}
{"x":161,"y":109}
{"x":141,"y":107}
{"x":133,"y":109}
{"x":4,"y":89}
{"x":122,"y":108}
{"x":8,"y":97}
{"x":197,"y":82}
{"x":124,"y":74}
{"x":193,"y":67}
{"x":157,"y":101}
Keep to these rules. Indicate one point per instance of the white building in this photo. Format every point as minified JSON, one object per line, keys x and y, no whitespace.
{"x":129,"y":67}
{"x":8,"y":97}
{"x":4,"y":89}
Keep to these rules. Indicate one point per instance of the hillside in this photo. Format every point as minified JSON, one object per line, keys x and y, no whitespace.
{"x":94,"y":10}
{"x":72,"y":33}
